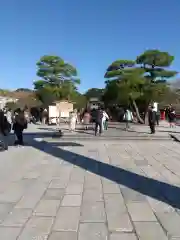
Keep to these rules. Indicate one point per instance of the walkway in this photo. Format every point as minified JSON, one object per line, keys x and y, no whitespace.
{"x":90,"y":190}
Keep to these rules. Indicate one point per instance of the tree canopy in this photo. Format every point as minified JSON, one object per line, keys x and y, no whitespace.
{"x":58,"y":81}
{"x":143,"y":79}
{"x":129,"y":82}
{"x":94,"y":93}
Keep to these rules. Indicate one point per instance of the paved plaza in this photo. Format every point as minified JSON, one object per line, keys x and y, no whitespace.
{"x":75,"y":189}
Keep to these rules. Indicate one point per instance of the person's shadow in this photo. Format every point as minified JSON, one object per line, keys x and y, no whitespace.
{"x":161,"y":191}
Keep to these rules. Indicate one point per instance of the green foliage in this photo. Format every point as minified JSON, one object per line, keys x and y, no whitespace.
{"x":4,"y":92}
{"x":141,"y":80}
{"x":26,"y":102}
{"x":79,"y":100}
{"x":94,"y":93}
{"x":155,"y":62}
{"x":55,"y":70}
{"x":58,"y":79}
{"x":125,"y":81}
{"x":11,"y":105}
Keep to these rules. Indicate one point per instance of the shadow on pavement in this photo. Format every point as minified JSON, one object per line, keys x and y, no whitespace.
{"x":156,"y":189}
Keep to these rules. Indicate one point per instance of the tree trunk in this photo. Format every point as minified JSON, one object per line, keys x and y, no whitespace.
{"x":137,"y":112}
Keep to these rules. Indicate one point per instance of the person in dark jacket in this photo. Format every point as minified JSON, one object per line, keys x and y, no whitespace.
{"x":20,"y":123}
{"x":5,"y":128}
{"x":98,"y":121}
{"x":152,"y":119}
{"x":172,"y":117}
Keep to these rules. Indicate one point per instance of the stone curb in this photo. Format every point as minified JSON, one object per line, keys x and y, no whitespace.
{"x":175,"y":137}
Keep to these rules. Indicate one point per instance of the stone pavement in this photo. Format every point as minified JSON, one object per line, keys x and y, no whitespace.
{"x":90,"y":190}
{"x":116,"y":131}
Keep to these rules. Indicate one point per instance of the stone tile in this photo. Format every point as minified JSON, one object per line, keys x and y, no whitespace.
{"x":11,"y":195}
{"x":9,"y":233}
{"x":93,"y":231}
{"x":111,"y":188}
{"x":58,"y":183}
{"x":32,"y":175}
{"x":141,"y":211}
{"x":114,"y":202}
{"x":71,"y":201}
{"x":37,"y":228}
{"x":119,"y":222}
{"x":54,"y":194}
{"x":28,"y":201}
{"x":149,"y":230}
{"x":17,"y":218}
{"x":93,"y":212}
{"x":123,"y":236}
{"x":170,"y":221}
{"x":5,"y":208}
{"x":92,"y":195}
{"x":32,"y":197}
{"x":77,"y":177}
{"x":74,"y":188}
{"x":159,"y":206}
{"x":47,"y":208}
{"x":141,"y":162}
{"x":92,"y":181}
{"x":67,"y":219}
{"x":117,"y":215}
{"x":63,"y":236}
{"x":131,"y":195}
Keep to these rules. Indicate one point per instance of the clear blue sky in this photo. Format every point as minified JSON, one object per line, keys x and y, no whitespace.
{"x":90,"y":34}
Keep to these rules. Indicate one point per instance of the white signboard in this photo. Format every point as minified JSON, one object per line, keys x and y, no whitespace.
{"x":155,"y":104}
{"x":64,"y":114}
{"x":53,"y":112}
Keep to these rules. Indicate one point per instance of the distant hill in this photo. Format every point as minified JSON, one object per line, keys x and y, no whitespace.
{"x":19,"y":93}
{"x":23,"y":90}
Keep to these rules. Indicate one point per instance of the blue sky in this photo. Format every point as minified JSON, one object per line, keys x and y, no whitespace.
{"x":90,"y":34}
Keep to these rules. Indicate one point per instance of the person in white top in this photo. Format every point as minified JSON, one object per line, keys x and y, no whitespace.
{"x":72,"y":120}
{"x":104,"y":120}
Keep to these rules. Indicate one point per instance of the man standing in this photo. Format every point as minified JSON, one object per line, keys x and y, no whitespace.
{"x":152,"y":119}
{"x":98,"y":121}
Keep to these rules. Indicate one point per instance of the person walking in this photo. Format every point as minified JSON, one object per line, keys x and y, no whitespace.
{"x":86,"y":119}
{"x":72,"y":120}
{"x":98,"y":121}
{"x":20,"y":123}
{"x":128,"y":117}
{"x":5,"y":128}
{"x":152,"y":119}
{"x":105,"y":120}
{"x":44,"y":116}
{"x":172,"y":117}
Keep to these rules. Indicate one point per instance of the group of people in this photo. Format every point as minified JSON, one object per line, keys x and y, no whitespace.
{"x":12,"y":121}
{"x":153,"y":117}
{"x":99,"y":117}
